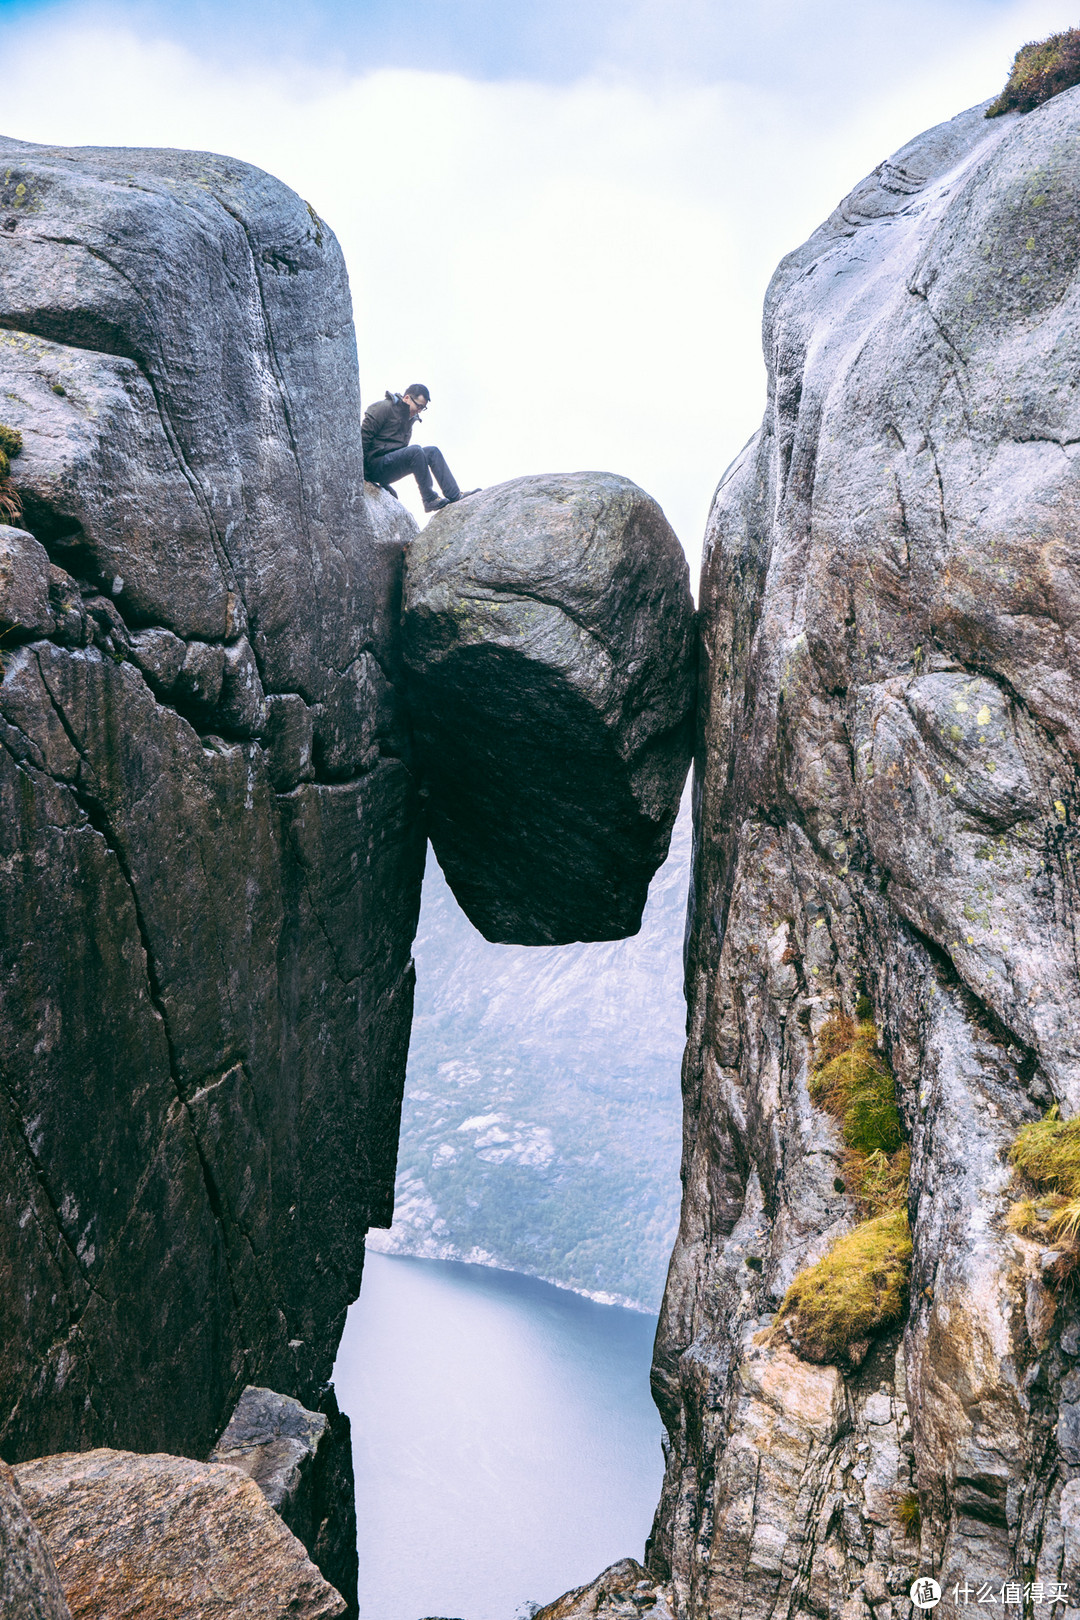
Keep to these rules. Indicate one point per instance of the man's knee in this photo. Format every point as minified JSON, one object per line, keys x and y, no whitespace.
{"x":431,"y":450}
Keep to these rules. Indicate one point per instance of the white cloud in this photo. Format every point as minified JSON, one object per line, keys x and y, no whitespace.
{"x":577,"y":271}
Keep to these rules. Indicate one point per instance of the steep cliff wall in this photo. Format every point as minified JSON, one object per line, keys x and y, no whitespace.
{"x":210,"y":841}
{"x":886,"y":823}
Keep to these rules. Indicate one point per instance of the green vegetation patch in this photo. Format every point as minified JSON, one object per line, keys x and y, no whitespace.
{"x":858,"y":1288}
{"x":861,"y":1285}
{"x":853,"y":1082}
{"x":11,"y":440}
{"x":1040,"y":70}
{"x":1047,"y":1153}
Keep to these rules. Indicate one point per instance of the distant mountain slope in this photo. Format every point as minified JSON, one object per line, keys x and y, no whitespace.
{"x":542,"y":1115}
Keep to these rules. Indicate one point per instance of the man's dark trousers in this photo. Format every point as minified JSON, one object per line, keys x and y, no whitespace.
{"x":421,"y":461}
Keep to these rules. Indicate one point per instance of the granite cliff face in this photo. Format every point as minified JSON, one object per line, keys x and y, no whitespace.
{"x":886,"y":821}
{"x":212,"y":838}
{"x":211,"y":843}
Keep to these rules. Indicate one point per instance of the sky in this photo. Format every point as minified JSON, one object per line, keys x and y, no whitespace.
{"x":561,"y":215}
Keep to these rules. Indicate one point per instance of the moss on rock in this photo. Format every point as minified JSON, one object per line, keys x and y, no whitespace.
{"x":853,"y":1082}
{"x":1047,"y":1154}
{"x":11,"y":440}
{"x":858,"y":1288}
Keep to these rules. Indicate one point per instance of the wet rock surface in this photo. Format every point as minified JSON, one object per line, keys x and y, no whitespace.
{"x":302,"y":1463}
{"x":29,"y":1585}
{"x":145,"y":1537}
{"x":886,"y":809}
{"x":549,"y":641}
{"x":210,"y":839}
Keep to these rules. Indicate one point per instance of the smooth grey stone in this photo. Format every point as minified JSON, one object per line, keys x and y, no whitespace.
{"x":24,"y":584}
{"x":549,"y":641}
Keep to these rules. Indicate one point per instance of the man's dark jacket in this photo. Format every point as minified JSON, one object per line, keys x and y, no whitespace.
{"x":387,"y":426}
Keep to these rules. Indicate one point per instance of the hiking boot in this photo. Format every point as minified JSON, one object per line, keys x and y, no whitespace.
{"x":437,"y":504}
{"x":463,"y":494}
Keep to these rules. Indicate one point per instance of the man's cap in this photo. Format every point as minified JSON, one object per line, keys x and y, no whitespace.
{"x":416,"y":389}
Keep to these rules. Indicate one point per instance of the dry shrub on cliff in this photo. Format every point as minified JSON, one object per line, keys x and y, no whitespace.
{"x":11,"y":443}
{"x":852,"y":1081}
{"x":1040,"y":70}
{"x":909,"y":1512}
{"x":858,"y":1288}
{"x":1047,"y":1152}
{"x":880,"y":1181}
{"x":10,"y":505}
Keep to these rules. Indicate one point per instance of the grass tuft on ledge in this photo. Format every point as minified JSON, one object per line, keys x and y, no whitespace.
{"x":909,"y":1512}
{"x":854,"y":1291}
{"x":1047,"y":1154}
{"x":1041,"y":69}
{"x":11,"y":508}
{"x":834,"y":1307}
{"x":852,"y":1081}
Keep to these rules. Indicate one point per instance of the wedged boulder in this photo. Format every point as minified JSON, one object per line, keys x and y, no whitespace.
{"x":29,"y":1585}
{"x":302,"y":1463}
{"x":549,"y":643}
{"x":211,"y":841}
{"x":157,"y":1537}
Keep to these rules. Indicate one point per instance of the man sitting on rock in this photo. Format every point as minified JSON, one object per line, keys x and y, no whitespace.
{"x":388,"y":455}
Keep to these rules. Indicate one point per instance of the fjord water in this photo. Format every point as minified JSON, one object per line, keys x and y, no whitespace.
{"x":505,"y":1442}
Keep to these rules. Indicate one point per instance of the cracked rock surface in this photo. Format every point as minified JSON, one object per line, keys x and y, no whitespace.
{"x":623,"y":1592}
{"x":887,"y":806}
{"x":29,"y":1585}
{"x":142,"y":1537}
{"x":549,"y":640}
{"x":210,"y":841}
{"x":302,"y":1463}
